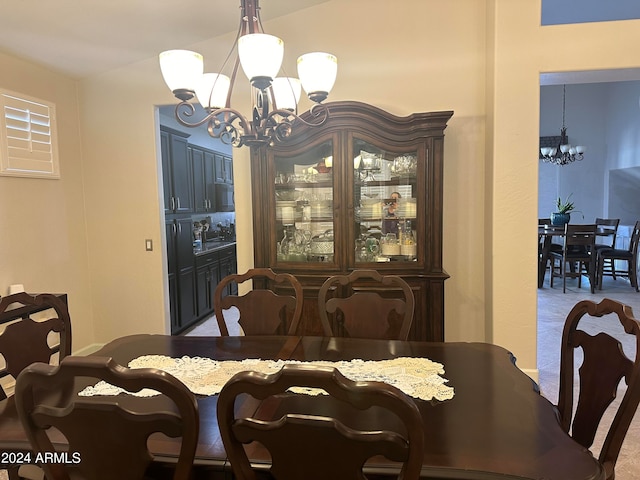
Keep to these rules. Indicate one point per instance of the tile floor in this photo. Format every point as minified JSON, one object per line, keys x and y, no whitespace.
{"x":553,"y":306}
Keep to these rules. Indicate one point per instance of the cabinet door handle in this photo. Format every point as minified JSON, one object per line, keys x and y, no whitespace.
{"x":178,"y":201}
{"x":175,"y":230}
{"x":180,"y":228}
{"x":173,"y":203}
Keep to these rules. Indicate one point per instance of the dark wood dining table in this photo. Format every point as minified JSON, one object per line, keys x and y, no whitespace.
{"x":496,"y":426}
{"x":546,"y":233}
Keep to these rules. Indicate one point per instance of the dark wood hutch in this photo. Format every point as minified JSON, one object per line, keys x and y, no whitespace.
{"x":322,"y":204}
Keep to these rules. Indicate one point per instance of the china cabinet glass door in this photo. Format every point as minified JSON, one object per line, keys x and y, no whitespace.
{"x":304,"y":201}
{"x":386,"y":206}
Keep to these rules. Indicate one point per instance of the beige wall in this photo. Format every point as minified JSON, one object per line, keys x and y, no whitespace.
{"x":524,"y":50}
{"x":43,"y":241}
{"x":421,"y":73}
{"x":479,"y":58}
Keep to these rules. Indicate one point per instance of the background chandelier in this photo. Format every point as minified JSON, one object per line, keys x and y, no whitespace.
{"x":563,"y":153}
{"x":274,"y":99}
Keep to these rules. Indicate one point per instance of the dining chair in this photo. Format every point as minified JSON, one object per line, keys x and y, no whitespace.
{"x":106,"y":435}
{"x":309,"y":440}
{"x":578,"y":253}
{"x":545,"y":246}
{"x":603,"y":366}
{"x":28,"y":338}
{"x":47,"y":332}
{"x":263,"y":310}
{"x":366,"y":304}
{"x":630,"y":255}
{"x":608,"y":239}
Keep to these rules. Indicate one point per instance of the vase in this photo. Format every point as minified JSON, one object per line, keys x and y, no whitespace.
{"x":560,"y":218}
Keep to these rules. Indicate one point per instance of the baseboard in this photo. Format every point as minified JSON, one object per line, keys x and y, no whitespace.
{"x":88,"y":350}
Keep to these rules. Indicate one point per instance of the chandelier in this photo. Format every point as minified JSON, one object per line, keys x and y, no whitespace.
{"x":563,"y":153}
{"x":274,"y":100}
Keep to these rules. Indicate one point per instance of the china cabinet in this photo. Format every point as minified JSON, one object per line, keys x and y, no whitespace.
{"x":364,"y":190}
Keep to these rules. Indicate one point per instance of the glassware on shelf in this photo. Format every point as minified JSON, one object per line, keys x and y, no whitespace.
{"x":294,"y":246}
{"x":389,"y":245}
{"x":373,"y":248}
{"x":369,"y":163}
{"x":405,"y":165}
{"x":361,"y":249}
{"x":408,"y":246}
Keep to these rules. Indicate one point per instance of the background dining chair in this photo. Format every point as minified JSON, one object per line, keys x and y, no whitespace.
{"x":365,"y":304}
{"x":320,"y":446}
{"x":263,"y":311}
{"x":600,"y":373}
{"x":26,"y":340}
{"x":545,"y":246}
{"x":578,"y":250}
{"x":630,"y":255}
{"x":107,"y":434}
{"x":608,"y":240}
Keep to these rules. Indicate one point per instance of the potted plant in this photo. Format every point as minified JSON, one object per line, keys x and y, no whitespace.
{"x":562,"y":215}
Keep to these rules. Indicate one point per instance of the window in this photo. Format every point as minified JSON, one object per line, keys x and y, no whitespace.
{"x":27,"y":137}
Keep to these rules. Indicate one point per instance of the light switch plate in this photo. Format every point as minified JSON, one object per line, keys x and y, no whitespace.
{"x":148,"y":245}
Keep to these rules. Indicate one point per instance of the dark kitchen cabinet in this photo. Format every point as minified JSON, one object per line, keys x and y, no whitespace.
{"x":228,"y":266}
{"x":210,"y":269}
{"x":224,"y":168}
{"x":177,"y":177}
{"x":323,"y":204}
{"x":204,"y":178}
{"x":208,"y":276}
{"x":181,"y":272}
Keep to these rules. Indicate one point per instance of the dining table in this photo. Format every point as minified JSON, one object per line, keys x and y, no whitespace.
{"x":495,"y":425}
{"x":546,"y":234}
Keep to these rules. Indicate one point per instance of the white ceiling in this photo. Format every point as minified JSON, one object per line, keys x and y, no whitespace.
{"x":85,"y":38}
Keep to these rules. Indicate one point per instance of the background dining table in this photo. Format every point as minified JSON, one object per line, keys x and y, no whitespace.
{"x":546,"y":233}
{"x":497,"y":425}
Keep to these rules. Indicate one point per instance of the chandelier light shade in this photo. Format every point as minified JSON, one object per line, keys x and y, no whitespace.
{"x":261,"y":57}
{"x":563,"y":153}
{"x":317,"y":72}
{"x":212,"y":90}
{"x":286,"y":91}
{"x":181,"y":69}
{"x":275,"y":99}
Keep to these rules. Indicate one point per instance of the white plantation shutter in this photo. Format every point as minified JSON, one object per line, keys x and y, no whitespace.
{"x":28,"y":137}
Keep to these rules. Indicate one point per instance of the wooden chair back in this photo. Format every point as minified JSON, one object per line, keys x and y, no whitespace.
{"x":629,"y":255}
{"x":578,"y":248}
{"x":262,"y":310}
{"x":108,"y":434}
{"x":366,"y":304}
{"x":26,"y":340}
{"x":603,"y":367}
{"x":315,"y":445}
{"x":610,"y":224}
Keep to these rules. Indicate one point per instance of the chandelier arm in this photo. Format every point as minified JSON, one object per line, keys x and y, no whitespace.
{"x":185,"y":110}
{"x":264,"y":127}
{"x":318,"y":111}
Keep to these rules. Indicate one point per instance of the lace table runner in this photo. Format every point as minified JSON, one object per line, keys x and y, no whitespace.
{"x":417,"y":377}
